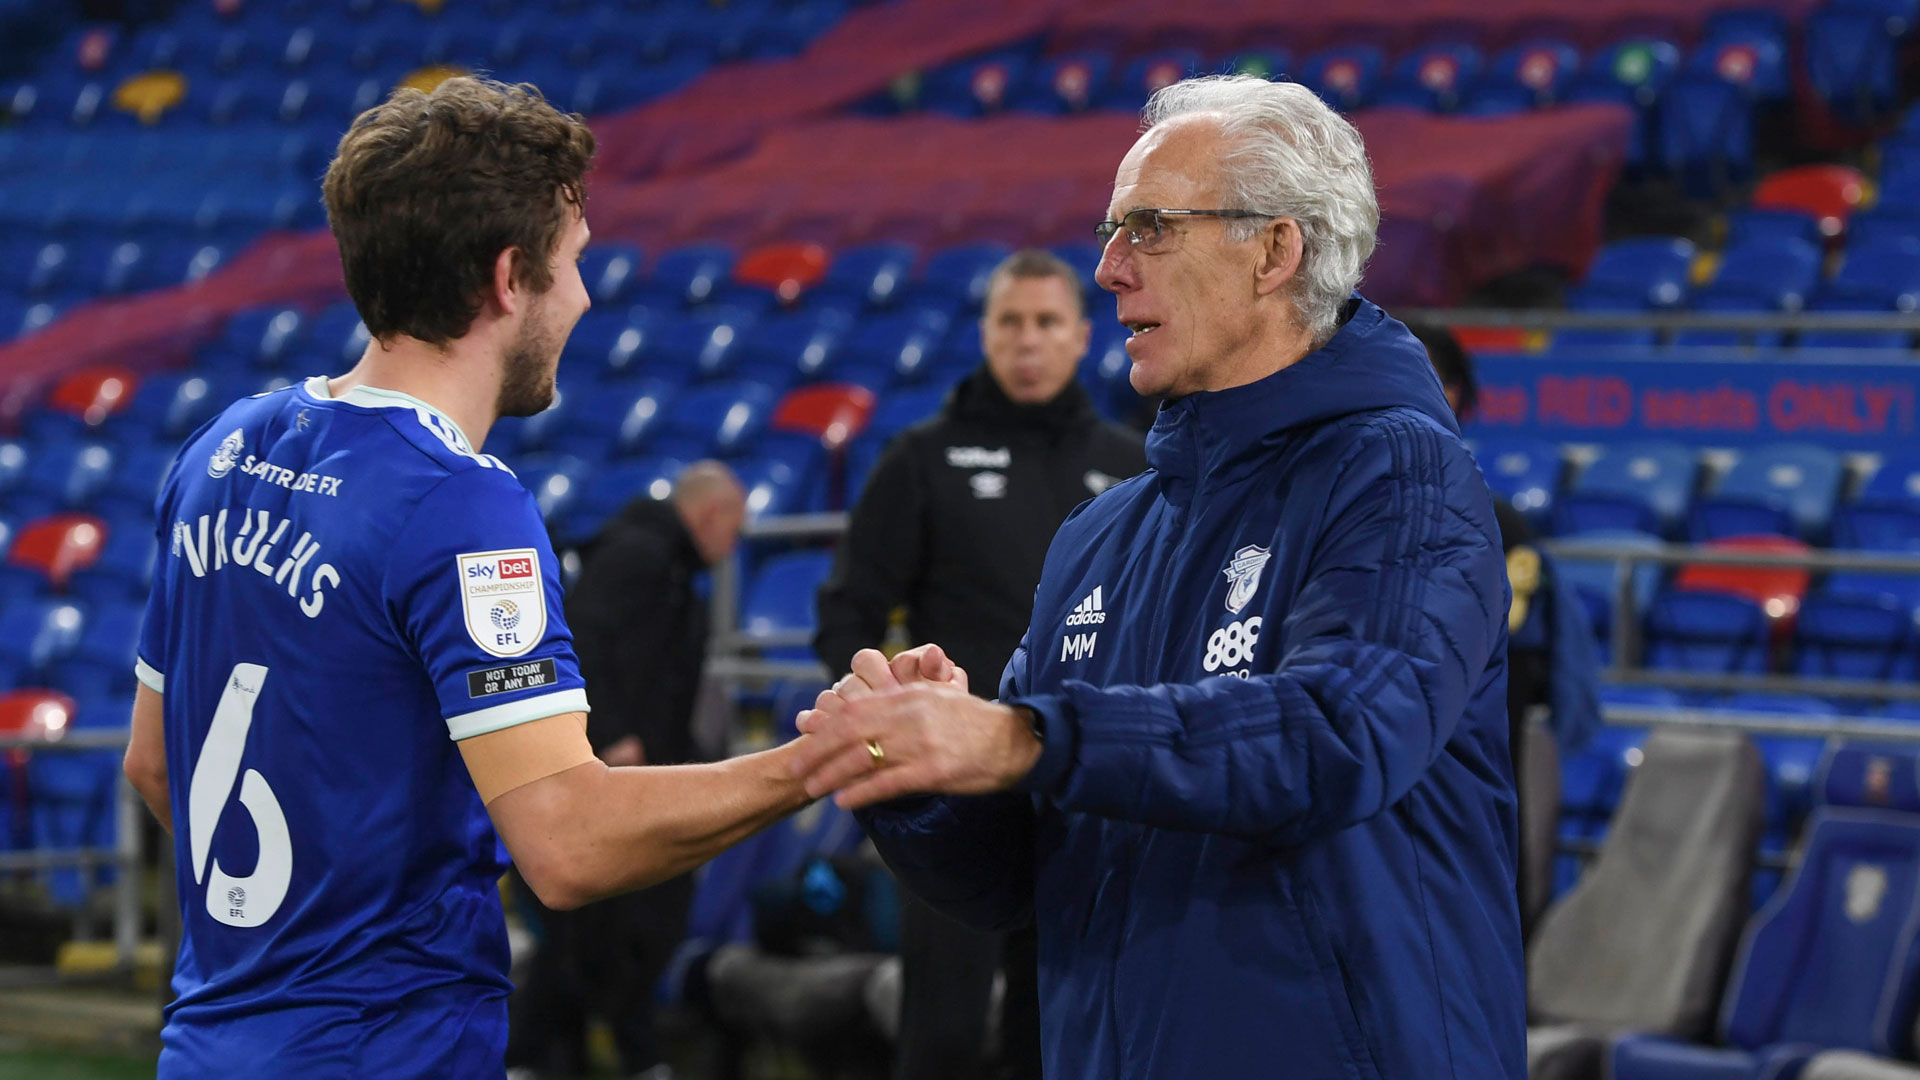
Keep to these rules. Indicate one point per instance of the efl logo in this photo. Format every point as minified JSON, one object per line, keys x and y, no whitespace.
{"x":515,"y":568}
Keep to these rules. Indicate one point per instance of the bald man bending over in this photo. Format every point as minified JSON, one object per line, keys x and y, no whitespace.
{"x":641,"y":635}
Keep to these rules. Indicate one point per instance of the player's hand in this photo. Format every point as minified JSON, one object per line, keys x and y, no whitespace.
{"x":872,"y":672}
{"x":624,"y":752}
{"x":920,"y":738}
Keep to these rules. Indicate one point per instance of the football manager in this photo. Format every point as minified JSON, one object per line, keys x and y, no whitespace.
{"x":1261,"y":810}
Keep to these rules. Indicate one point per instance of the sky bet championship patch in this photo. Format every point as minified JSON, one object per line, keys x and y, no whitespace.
{"x":505,"y":601}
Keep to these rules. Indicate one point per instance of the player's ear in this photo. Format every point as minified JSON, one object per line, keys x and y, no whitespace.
{"x":503,"y":292}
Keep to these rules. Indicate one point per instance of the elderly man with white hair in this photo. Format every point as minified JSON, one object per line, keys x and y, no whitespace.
{"x":1248,"y":773}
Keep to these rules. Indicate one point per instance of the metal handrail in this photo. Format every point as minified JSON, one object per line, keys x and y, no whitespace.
{"x":128,"y":852}
{"x":1816,"y":560}
{"x":1754,"y":723}
{"x":1562,"y":319}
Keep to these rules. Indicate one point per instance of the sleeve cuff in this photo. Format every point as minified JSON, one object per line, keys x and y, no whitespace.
{"x":499,"y":717}
{"x":1056,"y":748}
{"x":149,"y":677}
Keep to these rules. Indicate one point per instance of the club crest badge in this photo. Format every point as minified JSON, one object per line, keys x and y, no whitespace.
{"x":1243,"y":576}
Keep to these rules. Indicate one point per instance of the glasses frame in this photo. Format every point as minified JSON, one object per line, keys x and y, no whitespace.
{"x":1107,"y":229}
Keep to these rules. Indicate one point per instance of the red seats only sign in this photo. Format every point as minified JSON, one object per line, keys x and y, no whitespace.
{"x":1864,"y":405}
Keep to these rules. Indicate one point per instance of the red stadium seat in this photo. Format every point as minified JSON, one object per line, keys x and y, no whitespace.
{"x":831,"y":412}
{"x":1777,"y":589}
{"x":35,"y":712}
{"x":59,"y":545}
{"x":787,"y":269}
{"x":93,"y":394}
{"x":1831,"y":193}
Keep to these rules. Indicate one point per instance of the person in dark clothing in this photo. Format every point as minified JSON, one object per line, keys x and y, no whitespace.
{"x":641,"y":633}
{"x":954,"y":524}
{"x":1552,"y":660}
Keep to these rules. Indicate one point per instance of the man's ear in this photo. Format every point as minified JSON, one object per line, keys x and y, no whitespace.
{"x":503,"y":292}
{"x":1281,"y":247}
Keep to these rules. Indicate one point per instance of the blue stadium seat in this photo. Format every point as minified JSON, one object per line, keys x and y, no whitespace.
{"x":66,"y":476}
{"x":1345,"y":77}
{"x":611,"y":272}
{"x":43,"y":632}
{"x":555,"y":480}
{"x":687,"y":276}
{"x":1636,"y":485}
{"x":1855,"y":637}
{"x":336,"y":337}
{"x":1851,"y":62}
{"x":124,"y":571}
{"x":1540,"y":71}
{"x":1894,"y":339}
{"x":892,"y":348}
{"x":614,"y":418}
{"x":134,"y":485}
{"x":1772,"y":226}
{"x":1690,"y":630}
{"x":1582,"y":337}
{"x":1065,"y":84}
{"x":706,"y":345}
{"x":1525,"y":471}
{"x":1595,"y":581}
{"x":608,"y":343}
{"x":873,"y":274}
{"x":958,"y":275}
{"x":1132,"y":87}
{"x":262,"y":337}
{"x":1783,"y":489}
{"x":901,"y":409}
{"x":1648,"y":271}
{"x":100,"y":666}
{"x":1433,"y":77}
{"x":1706,"y":134}
{"x":723,"y":419}
{"x":789,"y":483}
{"x":608,"y":489}
{"x":1885,"y":515}
{"x":1754,"y":65}
{"x":1633,"y":70}
{"x":976,"y":86}
{"x":72,"y":807}
{"x":798,"y":346}
{"x":780,"y":598}
{"x":1829,"y":962}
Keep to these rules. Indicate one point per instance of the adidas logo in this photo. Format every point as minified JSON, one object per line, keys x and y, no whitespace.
{"x":1088,"y":612}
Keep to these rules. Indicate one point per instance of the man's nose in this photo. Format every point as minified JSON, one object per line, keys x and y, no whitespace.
{"x":1115,"y":271}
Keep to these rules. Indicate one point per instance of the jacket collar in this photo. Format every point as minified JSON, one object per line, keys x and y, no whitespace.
{"x":1372,"y":362}
{"x":978,"y":398}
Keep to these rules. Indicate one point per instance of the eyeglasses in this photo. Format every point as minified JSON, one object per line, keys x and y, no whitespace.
{"x":1147,"y":229}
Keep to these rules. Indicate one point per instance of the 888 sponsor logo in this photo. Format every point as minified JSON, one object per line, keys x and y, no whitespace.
{"x":1232,"y":645}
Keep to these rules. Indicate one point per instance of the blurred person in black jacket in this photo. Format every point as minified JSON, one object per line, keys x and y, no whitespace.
{"x":640,"y":630}
{"x":953,"y":524}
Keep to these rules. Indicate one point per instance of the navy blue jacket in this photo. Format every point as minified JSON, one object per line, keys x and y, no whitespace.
{"x":1272,"y":830}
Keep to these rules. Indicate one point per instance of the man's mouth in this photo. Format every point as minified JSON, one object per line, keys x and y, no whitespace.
{"x":1140,"y":328}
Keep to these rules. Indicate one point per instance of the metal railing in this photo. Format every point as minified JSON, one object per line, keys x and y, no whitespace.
{"x":1626,"y":619}
{"x":731,"y":661}
{"x":128,"y":853}
{"x":1755,"y":321}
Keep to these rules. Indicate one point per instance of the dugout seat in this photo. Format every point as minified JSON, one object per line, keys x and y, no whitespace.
{"x":1643,"y":942}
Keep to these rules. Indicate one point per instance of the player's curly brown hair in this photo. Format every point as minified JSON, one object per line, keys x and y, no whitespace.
{"x":426,"y":190}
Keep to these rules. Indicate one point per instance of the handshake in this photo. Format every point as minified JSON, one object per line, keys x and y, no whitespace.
{"x":909,"y":727}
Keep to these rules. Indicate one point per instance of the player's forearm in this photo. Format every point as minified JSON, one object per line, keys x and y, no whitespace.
{"x":153,"y":791}
{"x":628,"y":828}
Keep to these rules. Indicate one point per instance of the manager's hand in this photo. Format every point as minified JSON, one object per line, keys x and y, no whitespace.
{"x":874,"y":738}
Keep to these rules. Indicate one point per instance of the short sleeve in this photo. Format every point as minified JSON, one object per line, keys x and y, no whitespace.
{"x":150,"y":656}
{"x":475,"y":589}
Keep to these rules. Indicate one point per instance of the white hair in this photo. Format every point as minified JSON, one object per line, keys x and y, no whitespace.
{"x":1290,"y":156}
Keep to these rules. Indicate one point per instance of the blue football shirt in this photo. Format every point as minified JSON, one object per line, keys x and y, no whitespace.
{"x":345,"y":589}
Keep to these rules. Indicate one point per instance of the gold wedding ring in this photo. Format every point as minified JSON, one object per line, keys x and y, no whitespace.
{"x":879,"y":755}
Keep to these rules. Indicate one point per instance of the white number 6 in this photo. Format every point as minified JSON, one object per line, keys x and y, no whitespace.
{"x":251,"y":900}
